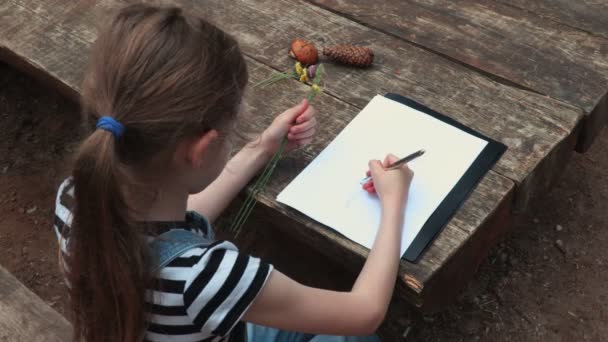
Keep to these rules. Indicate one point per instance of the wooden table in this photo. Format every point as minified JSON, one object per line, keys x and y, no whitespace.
{"x":529,"y":73}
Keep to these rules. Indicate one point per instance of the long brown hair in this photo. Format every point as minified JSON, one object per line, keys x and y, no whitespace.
{"x":165,"y":75}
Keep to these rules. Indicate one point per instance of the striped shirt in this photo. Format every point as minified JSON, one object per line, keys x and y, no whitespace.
{"x":199,"y":296}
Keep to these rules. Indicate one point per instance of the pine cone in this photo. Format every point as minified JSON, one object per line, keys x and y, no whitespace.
{"x":350,"y":54}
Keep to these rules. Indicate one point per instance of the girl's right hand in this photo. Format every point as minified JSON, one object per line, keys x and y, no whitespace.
{"x":288,"y":305}
{"x":392,"y":186}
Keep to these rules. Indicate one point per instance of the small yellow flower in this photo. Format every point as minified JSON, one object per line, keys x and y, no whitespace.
{"x":304,"y":77}
{"x":299,"y":68}
{"x":316,"y":88}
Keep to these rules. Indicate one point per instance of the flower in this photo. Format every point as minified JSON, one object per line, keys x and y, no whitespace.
{"x":304,"y":76}
{"x":312,"y":71}
{"x":298,"y":68}
{"x":316,"y":88}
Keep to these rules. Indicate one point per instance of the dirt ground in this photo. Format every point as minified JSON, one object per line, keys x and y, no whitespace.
{"x":546,"y":282}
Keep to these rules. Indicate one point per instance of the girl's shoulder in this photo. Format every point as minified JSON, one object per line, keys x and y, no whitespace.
{"x":210,"y":287}
{"x":65,"y":194}
{"x":64,"y":204}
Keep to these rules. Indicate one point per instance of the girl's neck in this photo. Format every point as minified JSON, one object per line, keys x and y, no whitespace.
{"x":167,"y":204}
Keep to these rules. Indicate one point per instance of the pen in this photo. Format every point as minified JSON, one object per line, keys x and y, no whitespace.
{"x":398,"y":163}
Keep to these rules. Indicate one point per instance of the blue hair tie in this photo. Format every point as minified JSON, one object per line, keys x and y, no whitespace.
{"x":110,"y":124}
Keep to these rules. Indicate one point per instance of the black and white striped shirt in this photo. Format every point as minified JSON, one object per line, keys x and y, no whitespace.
{"x":199,"y":296}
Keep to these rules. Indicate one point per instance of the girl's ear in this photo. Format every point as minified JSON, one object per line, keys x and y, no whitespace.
{"x":199,"y":147}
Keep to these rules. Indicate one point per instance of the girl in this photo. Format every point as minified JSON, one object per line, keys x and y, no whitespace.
{"x":164,"y":90}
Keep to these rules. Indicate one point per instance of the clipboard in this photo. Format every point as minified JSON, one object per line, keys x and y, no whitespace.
{"x":394,"y":123}
{"x":463,"y":188}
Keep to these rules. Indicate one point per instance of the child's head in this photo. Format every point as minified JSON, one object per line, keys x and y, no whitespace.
{"x":175,"y":83}
{"x":168,"y":78}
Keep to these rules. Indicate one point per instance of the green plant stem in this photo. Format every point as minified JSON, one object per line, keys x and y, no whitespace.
{"x":276,"y":77}
{"x":311,"y":95}
{"x":264,"y":180}
{"x":251,"y":195}
{"x":250,"y":201}
{"x":247,"y":207}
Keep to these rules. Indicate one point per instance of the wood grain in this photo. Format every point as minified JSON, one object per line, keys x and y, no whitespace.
{"x":533,"y":126}
{"x":560,"y":61}
{"x":29,"y":40}
{"x":588,"y":15}
{"x":26,"y":317}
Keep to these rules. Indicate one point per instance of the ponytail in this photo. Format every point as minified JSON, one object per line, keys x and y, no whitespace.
{"x":107,"y":255}
{"x":166,"y":76}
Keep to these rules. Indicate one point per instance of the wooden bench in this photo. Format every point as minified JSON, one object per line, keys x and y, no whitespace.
{"x":51,"y":39}
{"x":26,"y":317}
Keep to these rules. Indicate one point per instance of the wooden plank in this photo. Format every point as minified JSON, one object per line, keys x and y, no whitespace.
{"x":26,"y":317}
{"x":588,"y":15}
{"x":24,"y":43}
{"x":550,"y":58}
{"x":492,"y":194}
{"x":534,"y":127}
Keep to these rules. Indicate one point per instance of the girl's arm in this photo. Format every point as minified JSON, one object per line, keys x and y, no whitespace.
{"x":285,"y":304}
{"x":298,"y":122}
{"x":235,"y":176}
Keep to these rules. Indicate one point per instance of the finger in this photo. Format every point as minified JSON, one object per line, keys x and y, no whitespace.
{"x":304,"y":126}
{"x":292,"y":145}
{"x":303,"y":135}
{"x":389,"y":159}
{"x":308,"y":114}
{"x":304,"y":142}
{"x":375,"y":167}
{"x":292,"y":113}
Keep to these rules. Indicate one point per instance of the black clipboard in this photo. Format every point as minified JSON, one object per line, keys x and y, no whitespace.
{"x":452,"y":202}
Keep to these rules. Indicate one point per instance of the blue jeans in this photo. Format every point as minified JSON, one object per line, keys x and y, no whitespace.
{"x":258,"y":333}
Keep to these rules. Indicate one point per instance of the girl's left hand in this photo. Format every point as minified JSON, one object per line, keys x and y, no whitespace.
{"x":298,"y":123}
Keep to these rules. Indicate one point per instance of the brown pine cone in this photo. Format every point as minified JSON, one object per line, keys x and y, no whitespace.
{"x":350,"y":54}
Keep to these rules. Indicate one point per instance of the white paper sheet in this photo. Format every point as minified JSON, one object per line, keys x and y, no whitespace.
{"x":328,"y":190}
